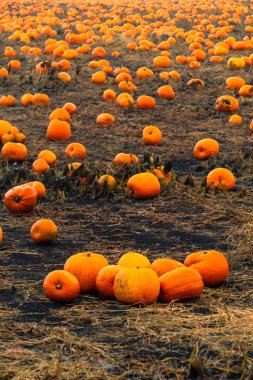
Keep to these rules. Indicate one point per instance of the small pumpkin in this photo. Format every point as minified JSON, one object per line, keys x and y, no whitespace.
{"x":125,"y":158}
{"x":61,"y":286}
{"x":43,"y":231}
{"x":58,"y":130}
{"x":151,"y":135}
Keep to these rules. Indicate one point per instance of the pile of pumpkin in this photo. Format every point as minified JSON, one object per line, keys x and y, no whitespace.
{"x":134,"y":280}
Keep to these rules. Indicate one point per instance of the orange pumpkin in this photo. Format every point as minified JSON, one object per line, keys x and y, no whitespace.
{"x":44,"y":231}
{"x":76,"y":150}
{"x":125,"y":158}
{"x":162,"y":266}
{"x":136,"y":286}
{"x":212,"y":266}
{"x":143,"y":186}
{"x":105,"y":280}
{"x":151,"y":135}
{"x":20,"y":199}
{"x":227,"y":103}
{"x":180,"y":284}
{"x":14,"y":151}
{"x":134,"y":260}
{"x":220,"y":178}
{"x":206,"y":148}
{"x":85,"y":267}
{"x":58,"y":130}
{"x":40,"y":166}
{"x":145,"y":102}
{"x":61,"y":286}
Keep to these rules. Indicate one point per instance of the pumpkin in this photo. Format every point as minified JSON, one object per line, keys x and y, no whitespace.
{"x":143,"y":186}
{"x":99,"y":77}
{"x":7,"y":100}
{"x":144,"y":72}
{"x":220,"y":178}
{"x":166,"y":92}
{"x":162,"y":266}
{"x":85,"y":266}
{"x":235,"y":83}
{"x":111,"y":181}
{"x":38,"y":186}
{"x":212,"y":266}
{"x":1,"y":235}
{"x":236,"y":63}
{"x":109,"y":95}
{"x":145,"y":102}
{"x":206,"y":148}
{"x":76,"y":150}
{"x":125,"y":100}
{"x":196,"y":83}
{"x":136,"y":286}
{"x":151,"y":135}
{"x":70,"y":107}
{"x":41,"y":99}
{"x":134,"y":260}
{"x":14,"y":151}
{"x":48,"y":156}
{"x":61,"y":286}
{"x":125,"y":158}
{"x":180,"y":284}
{"x":44,"y":231}
{"x":105,"y":280}
{"x":5,"y":128}
{"x":161,"y":61}
{"x":227,"y":103}
{"x":235,"y":119}
{"x":105,"y":119}
{"x":61,"y":114}
{"x":20,"y":199}
{"x":58,"y":130}
{"x":40,"y":166}
{"x":20,"y":138}
{"x":246,"y":91}
{"x":7,"y":137}
{"x":27,"y":100}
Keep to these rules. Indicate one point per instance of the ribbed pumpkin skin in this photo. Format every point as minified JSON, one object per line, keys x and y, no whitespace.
{"x":136,"y":286}
{"x":69,"y":286}
{"x":20,"y":199}
{"x":212,"y":266}
{"x":179,"y":284}
{"x":105,"y":280}
{"x":85,"y":267}
{"x":162,"y":266}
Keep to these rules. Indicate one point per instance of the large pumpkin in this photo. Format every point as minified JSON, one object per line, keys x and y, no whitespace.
{"x":85,"y":267}
{"x":179,"y":284}
{"x":212,"y":266}
{"x":143,"y":186}
{"x":136,"y":286}
{"x":14,"y":151}
{"x":20,"y":199}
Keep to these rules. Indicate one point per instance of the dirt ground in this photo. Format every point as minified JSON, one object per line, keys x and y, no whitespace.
{"x":211,"y":337}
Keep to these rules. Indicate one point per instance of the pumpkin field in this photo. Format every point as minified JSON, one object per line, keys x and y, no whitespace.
{"x":126,"y":189}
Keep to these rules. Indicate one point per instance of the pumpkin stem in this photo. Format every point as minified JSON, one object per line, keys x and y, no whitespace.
{"x":58,"y":286}
{"x":16,"y":199}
